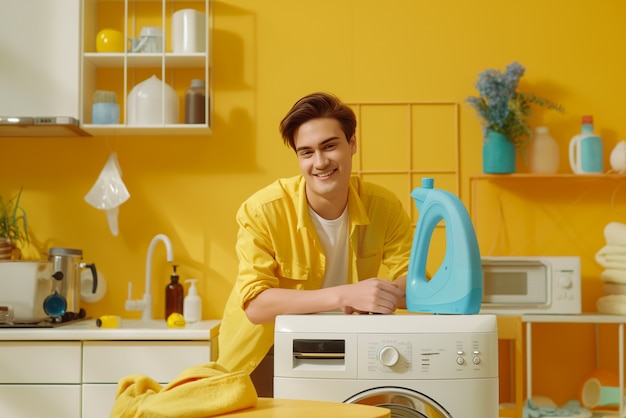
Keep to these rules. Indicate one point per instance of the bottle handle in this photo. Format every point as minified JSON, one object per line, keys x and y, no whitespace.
{"x":573,"y":154}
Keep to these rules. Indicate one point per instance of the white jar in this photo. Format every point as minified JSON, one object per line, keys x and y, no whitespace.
{"x":543,"y":152}
{"x":152,"y":102}
{"x":189,"y":33}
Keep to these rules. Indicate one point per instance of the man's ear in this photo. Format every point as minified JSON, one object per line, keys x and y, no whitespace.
{"x":353,"y":144}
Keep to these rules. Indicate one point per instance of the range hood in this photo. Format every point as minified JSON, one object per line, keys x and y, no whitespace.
{"x":40,"y":126}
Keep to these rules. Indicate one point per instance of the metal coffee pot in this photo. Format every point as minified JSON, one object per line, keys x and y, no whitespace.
{"x":64,"y":300}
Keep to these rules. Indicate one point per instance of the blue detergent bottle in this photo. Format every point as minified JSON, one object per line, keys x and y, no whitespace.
{"x":457,"y":285}
{"x":586,"y":150}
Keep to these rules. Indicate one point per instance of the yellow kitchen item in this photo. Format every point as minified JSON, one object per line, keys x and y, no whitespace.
{"x":109,"y":321}
{"x":110,"y":40}
{"x":176,"y":320}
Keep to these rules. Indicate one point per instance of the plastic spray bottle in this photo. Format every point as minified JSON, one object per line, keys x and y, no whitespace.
{"x":193,"y":304}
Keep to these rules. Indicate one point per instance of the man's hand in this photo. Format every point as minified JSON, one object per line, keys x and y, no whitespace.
{"x":371,"y":296}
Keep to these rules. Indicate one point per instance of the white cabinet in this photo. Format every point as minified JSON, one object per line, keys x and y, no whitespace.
{"x":40,"y":379}
{"x":120,"y":72}
{"x":105,"y":362}
{"x":39,"y":40}
{"x":73,"y":371}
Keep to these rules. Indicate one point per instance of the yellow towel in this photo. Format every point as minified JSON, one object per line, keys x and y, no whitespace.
{"x":198,"y":392}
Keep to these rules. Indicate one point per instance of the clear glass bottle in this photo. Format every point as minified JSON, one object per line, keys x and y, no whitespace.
{"x":543,"y":152}
{"x":195,"y":98}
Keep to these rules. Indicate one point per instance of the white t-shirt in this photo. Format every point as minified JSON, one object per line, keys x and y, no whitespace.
{"x":333,"y":235}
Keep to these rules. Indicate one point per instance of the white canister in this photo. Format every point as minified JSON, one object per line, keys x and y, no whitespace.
{"x":618,"y":157}
{"x":152,"y":102}
{"x":189,"y":32}
{"x":543,"y":155}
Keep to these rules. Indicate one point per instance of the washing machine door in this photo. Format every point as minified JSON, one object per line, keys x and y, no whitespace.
{"x":403,"y":403}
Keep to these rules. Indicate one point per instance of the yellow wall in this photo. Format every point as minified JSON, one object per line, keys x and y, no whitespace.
{"x":269,"y":53}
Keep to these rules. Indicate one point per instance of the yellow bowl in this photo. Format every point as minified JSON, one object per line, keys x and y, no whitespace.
{"x":110,"y":40}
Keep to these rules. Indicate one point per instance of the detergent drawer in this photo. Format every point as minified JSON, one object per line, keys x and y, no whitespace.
{"x":526,"y":285}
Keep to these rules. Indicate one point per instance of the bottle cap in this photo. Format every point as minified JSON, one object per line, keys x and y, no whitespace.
{"x":192,"y":287}
{"x":197,"y":83}
{"x":587,"y":119}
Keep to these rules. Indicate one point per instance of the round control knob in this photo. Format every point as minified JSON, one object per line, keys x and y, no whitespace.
{"x":388,"y":356}
{"x":476,"y":360}
{"x":565,"y":282}
{"x":460,"y":361}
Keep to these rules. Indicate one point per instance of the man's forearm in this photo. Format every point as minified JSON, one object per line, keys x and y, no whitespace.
{"x":273,"y":302}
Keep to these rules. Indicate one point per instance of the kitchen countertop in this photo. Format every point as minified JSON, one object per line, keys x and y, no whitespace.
{"x":290,"y":408}
{"x":130,"y":330}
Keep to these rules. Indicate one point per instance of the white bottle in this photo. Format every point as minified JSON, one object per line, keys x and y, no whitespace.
{"x":192,"y":305}
{"x":543,"y":156}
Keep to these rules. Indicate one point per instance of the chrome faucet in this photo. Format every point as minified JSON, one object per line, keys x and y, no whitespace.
{"x":145,"y":304}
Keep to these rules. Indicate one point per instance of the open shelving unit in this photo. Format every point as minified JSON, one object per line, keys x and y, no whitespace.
{"x":121,"y":72}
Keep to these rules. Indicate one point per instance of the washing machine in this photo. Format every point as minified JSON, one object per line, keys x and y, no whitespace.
{"x":417,"y":365}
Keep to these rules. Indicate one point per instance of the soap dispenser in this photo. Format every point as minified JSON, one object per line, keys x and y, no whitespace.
{"x":173,"y":295}
{"x":192,"y":310}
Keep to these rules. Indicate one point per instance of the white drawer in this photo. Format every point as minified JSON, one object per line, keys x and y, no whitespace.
{"x":50,"y":401}
{"x":108,"y":361}
{"x":40,"y":362}
{"x":98,"y":400}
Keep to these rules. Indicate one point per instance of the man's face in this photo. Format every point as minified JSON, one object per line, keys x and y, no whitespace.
{"x":325,"y":158}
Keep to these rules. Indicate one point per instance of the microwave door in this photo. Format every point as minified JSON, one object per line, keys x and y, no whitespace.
{"x":516,"y":283}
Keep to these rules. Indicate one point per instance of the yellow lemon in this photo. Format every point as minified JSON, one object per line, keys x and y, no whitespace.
{"x":176,"y":320}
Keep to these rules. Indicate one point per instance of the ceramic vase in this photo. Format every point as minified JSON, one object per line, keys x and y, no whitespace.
{"x":498,"y":154}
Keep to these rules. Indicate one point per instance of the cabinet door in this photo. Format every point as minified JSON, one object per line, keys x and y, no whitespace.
{"x":98,"y":400}
{"x":50,"y":401}
{"x":39,"y":40}
{"x":108,"y":361}
{"x":28,"y":362}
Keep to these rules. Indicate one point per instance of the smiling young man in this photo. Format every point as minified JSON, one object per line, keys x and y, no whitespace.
{"x":315,"y":242}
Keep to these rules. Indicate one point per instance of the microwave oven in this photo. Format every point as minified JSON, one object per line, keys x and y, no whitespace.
{"x":531,"y":285}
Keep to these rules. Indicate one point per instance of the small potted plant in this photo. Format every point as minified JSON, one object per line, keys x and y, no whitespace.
{"x":13,"y":226}
{"x":503,"y":112}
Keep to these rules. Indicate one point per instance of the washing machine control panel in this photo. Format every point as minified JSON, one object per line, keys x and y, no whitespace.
{"x":424,"y":356}
{"x":386,"y":347}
